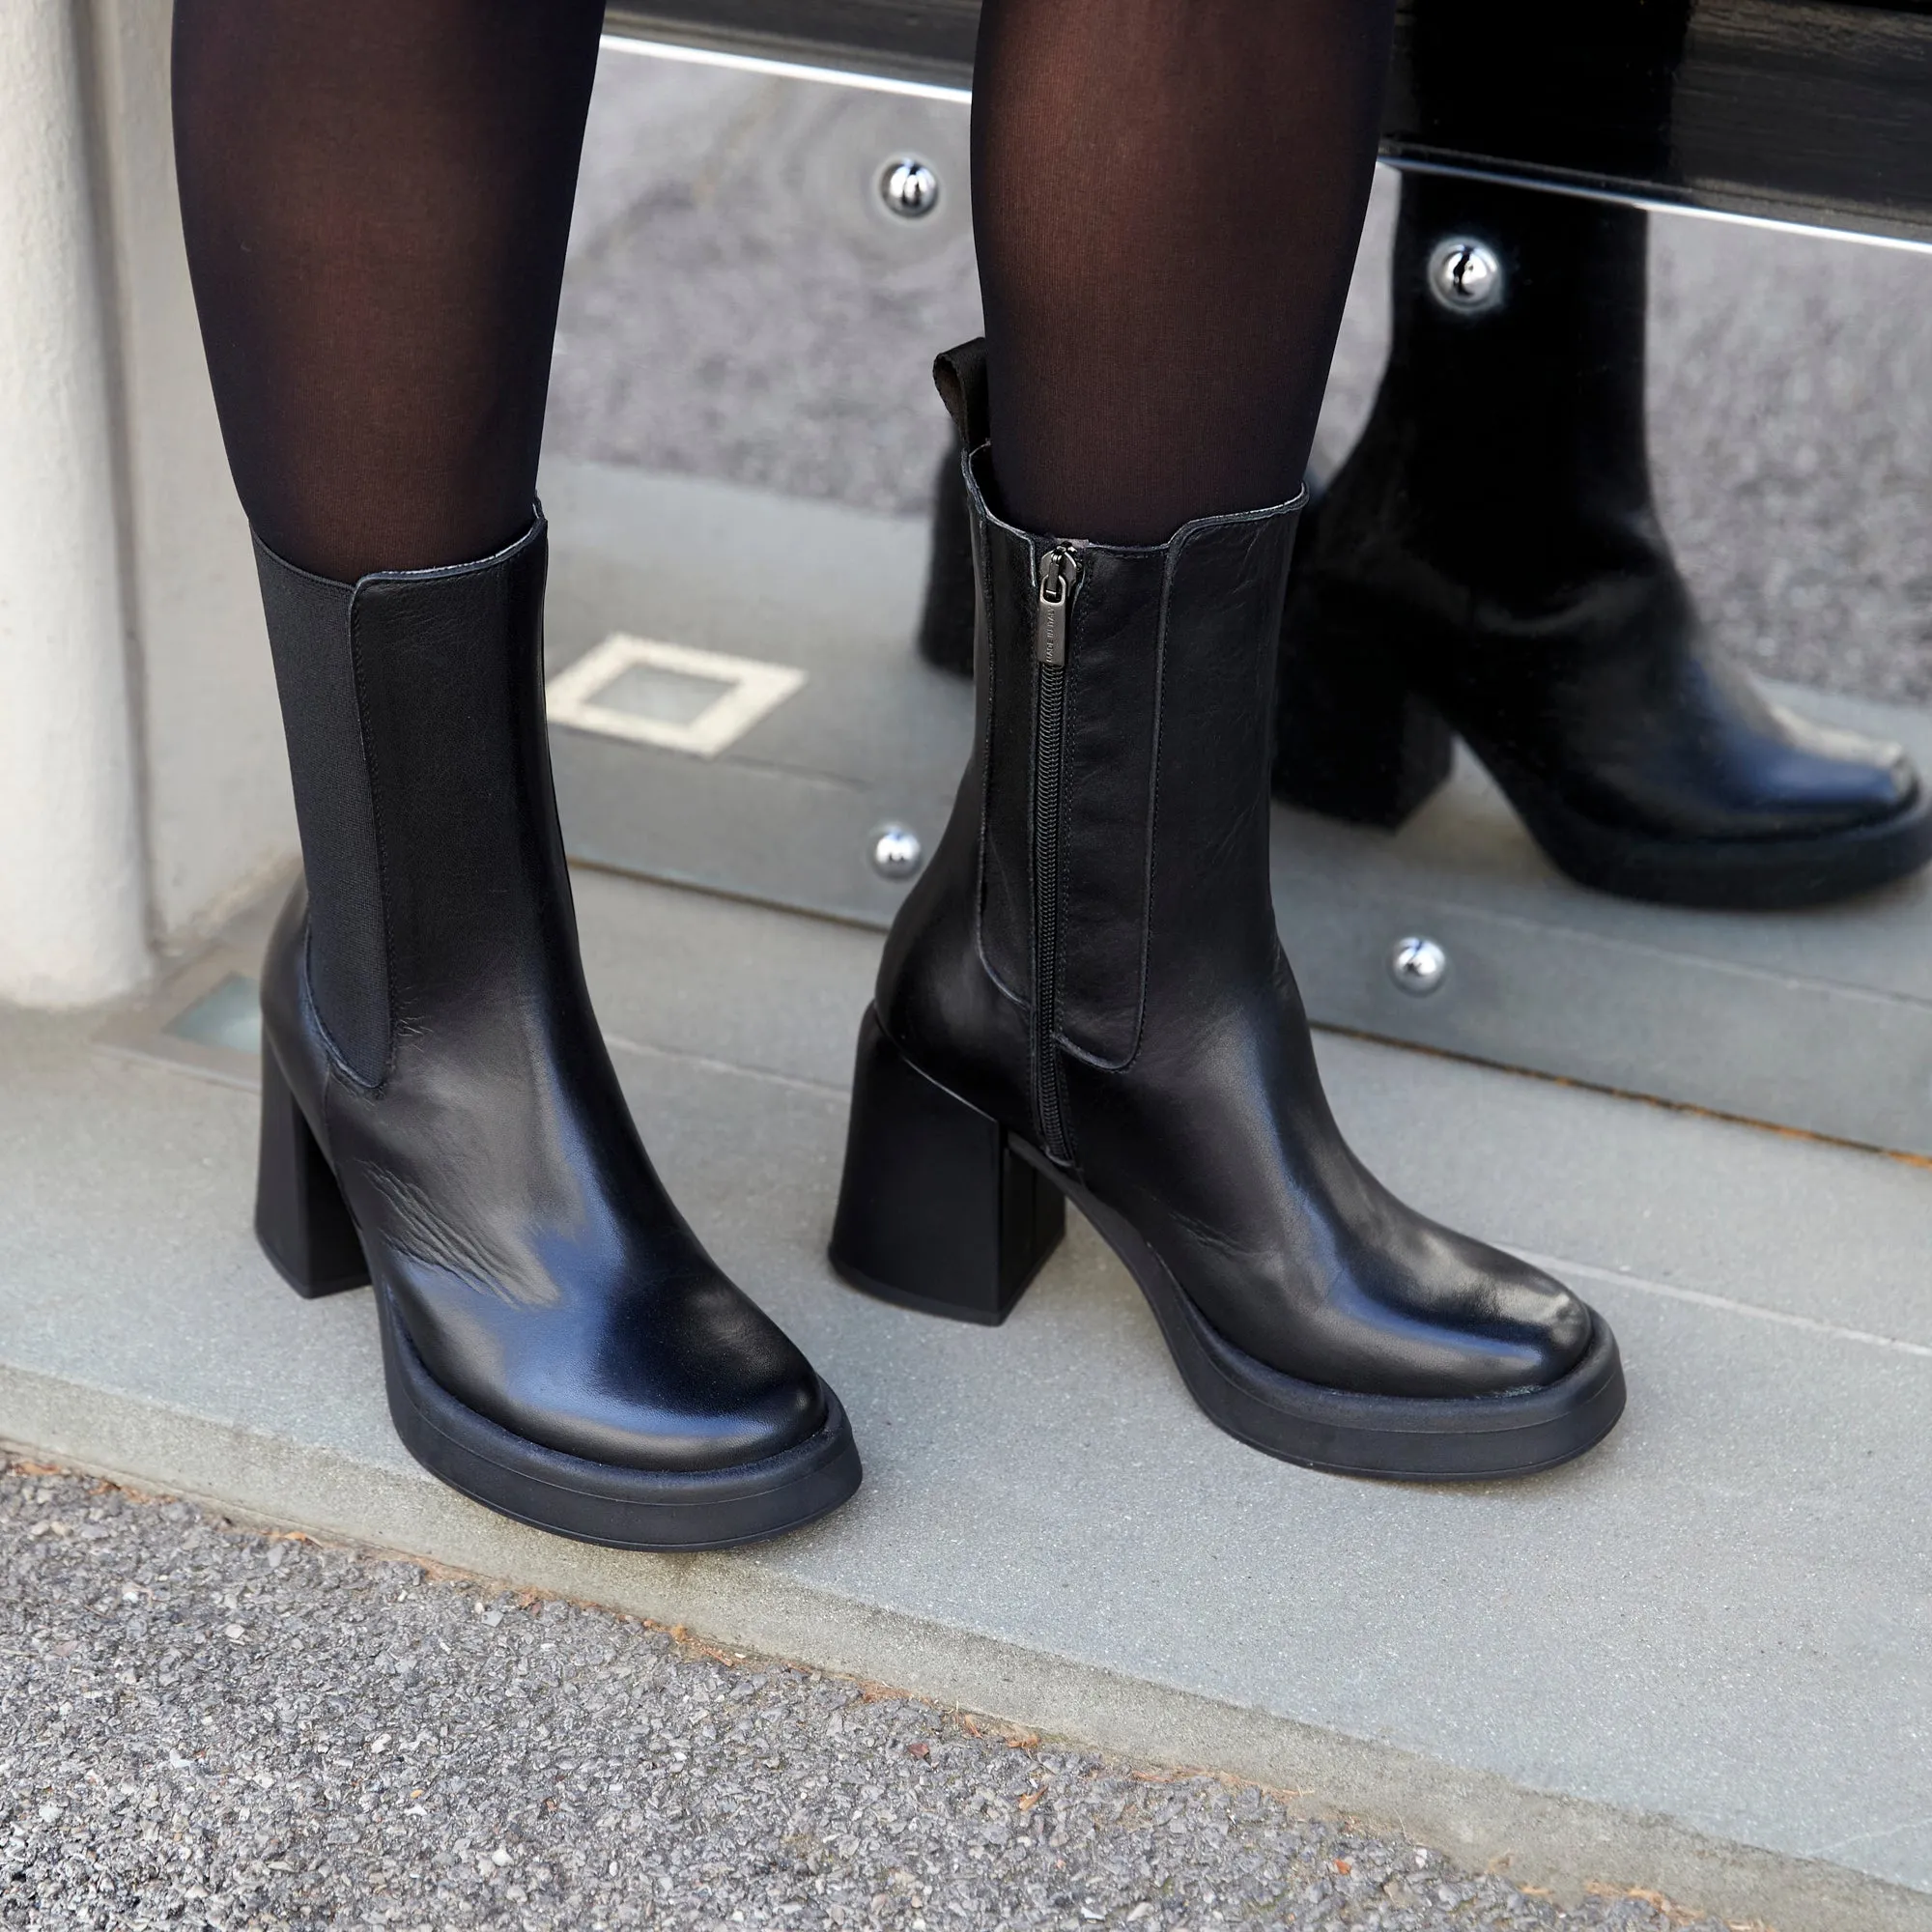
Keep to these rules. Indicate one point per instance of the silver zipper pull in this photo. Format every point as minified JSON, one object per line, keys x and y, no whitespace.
{"x":1058,"y":570}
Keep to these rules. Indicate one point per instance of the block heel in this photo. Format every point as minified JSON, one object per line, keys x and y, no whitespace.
{"x":938,"y":1210}
{"x":1352,"y":738}
{"x":301,"y":1218}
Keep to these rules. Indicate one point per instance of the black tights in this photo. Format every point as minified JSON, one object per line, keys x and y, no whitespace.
{"x":377,"y":196}
{"x":1167,"y":196}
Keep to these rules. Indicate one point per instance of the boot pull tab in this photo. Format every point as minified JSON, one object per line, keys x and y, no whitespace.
{"x":960,"y":376}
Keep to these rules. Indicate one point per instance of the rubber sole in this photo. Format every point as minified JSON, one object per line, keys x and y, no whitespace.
{"x":917,"y":1150}
{"x":600,"y":1502}
{"x":1405,"y":1437}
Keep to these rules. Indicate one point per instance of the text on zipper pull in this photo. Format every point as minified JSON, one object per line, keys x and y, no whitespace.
{"x":1056,"y":593}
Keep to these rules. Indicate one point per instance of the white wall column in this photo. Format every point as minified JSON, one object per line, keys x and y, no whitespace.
{"x":219,"y":819}
{"x":72,"y":914}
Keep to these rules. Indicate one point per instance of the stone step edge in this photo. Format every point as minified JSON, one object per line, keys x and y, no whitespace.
{"x":1539,"y":1837}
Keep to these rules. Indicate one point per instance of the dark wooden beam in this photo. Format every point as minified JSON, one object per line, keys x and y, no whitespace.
{"x":1815,"y":111}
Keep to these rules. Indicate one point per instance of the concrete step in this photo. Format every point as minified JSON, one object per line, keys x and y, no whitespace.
{"x":1700,"y":1660}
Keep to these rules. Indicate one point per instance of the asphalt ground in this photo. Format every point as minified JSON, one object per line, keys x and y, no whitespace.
{"x":740,"y":305}
{"x":208,"y":1726}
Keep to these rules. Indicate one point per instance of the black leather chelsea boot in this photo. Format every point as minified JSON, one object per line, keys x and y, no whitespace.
{"x":1084,"y":998}
{"x":1488,"y":562}
{"x":439,"y":1116}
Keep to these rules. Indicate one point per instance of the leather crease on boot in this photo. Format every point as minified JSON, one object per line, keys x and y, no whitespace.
{"x":1488,"y":563}
{"x":440,"y":1117}
{"x":1084,"y":998}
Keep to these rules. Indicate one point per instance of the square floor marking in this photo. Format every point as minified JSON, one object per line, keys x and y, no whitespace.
{"x":671,"y":695}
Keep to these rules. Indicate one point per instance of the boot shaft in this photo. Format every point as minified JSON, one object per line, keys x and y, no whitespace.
{"x":1110,"y":837}
{"x":414,"y":707}
{"x":1127,"y":784}
{"x":1510,"y":426}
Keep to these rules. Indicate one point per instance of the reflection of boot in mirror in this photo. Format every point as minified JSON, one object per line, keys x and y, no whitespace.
{"x":1488,"y":559}
{"x":1085,"y":996}
{"x":376,"y":201}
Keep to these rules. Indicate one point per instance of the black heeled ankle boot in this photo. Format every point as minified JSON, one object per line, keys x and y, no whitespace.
{"x":1487,"y":562}
{"x":1084,"y":997}
{"x":439,"y":1115}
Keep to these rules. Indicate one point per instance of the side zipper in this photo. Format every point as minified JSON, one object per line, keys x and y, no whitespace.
{"x":1058,"y":578}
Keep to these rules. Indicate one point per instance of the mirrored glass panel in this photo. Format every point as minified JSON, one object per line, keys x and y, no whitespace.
{"x":741,"y":458}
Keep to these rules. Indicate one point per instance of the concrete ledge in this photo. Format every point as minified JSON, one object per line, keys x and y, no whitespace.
{"x":1697,"y":1662}
{"x":1541,"y":1837}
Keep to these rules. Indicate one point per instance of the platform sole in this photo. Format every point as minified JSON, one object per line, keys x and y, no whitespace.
{"x":923,"y":1165}
{"x":600,"y":1502}
{"x":1412,"y":1438}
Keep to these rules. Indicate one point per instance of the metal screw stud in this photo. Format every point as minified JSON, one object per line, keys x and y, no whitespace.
{"x":1465,"y":276}
{"x":896,"y":853}
{"x":908,"y":186}
{"x":1417,"y":965}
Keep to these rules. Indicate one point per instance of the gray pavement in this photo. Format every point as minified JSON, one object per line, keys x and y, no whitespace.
{"x":739,"y":306}
{"x":203,"y":1726}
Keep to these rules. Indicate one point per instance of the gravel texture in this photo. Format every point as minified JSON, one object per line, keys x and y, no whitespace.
{"x":202,"y":1725}
{"x":740,"y":305}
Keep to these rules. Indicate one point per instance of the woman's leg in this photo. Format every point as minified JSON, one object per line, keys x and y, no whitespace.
{"x":377,"y":198}
{"x":1167,"y":199}
{"x":377,"y":195}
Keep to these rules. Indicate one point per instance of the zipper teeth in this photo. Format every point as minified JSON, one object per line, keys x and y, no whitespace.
{"x":1047,"y":835}
{"x":1050,"y":717}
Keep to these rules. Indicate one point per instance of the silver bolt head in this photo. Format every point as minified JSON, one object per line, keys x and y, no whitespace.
{"x":896,"y":853}
{"x":1417,"y":965}
{"x":1465,"y":276}
{"x":908,"y":186}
